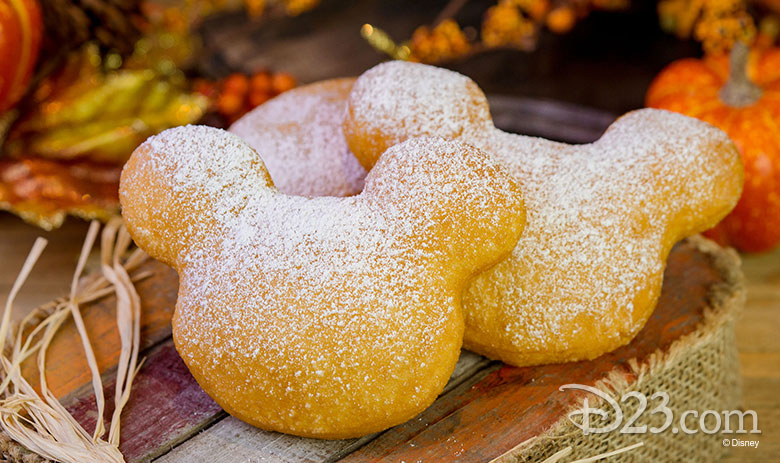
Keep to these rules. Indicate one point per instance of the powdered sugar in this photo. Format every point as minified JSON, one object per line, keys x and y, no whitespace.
{"x":602,"y":217}
{"x":327,"y":317}
{"x":298,"y":135}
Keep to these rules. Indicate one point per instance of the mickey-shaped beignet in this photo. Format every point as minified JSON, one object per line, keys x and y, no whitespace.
{"x":602,"y":217}
{"x":299,"y":136}
{"x":323,"y":317}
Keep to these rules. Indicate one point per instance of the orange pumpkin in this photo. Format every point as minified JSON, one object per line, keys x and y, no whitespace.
{"x":741,"y":95}
{"x":21,"y":31}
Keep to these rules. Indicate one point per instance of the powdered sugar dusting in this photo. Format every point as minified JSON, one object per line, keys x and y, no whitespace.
{"x":327,"y":317}
{"x":602,"y":217}
{"x":298,"y":134}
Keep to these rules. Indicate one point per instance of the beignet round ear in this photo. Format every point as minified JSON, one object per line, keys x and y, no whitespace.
{"x":451,"y":193}
{"x":708,"y":170}
{"x":181,"y":185}
{"x":385,"y":108}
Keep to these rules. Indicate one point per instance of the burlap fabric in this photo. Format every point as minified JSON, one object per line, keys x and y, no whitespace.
{"x":699,"y":372}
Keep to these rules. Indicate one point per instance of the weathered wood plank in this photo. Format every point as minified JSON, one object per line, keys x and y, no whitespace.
{"x":166,"y":406}
{"x":759,"y":347}
{"x":231,"y":440}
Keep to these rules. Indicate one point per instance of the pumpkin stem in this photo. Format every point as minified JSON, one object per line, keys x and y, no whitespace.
{"x":739,"y":90}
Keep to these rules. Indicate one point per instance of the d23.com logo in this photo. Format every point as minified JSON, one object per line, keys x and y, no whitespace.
{"x":594,"y":420}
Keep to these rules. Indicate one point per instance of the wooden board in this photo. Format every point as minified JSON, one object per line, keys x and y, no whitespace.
{"x":759,"y":346}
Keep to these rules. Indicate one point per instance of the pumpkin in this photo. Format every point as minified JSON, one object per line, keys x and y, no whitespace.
{"x":740,"y":94}
{"x":21,"y":32}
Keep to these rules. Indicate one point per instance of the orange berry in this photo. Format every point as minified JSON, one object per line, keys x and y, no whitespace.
{"x":261,"y":82}
{"x":561,"y":19}
{"x":229,"y":103}
{"x":537,"y":9}
{"x":505,"y":25}
{"x":282,"y":82}
{"x":236,"y":83}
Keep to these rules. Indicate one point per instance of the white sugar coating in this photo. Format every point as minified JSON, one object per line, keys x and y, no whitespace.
{"x":298,"y":134}
{"x":328,"y":317}
{"x":602,"y":217}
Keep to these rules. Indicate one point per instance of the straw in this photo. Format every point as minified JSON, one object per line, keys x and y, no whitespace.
{"x":38,"y":421}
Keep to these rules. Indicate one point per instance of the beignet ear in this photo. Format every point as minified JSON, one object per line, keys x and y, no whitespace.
{"x":451,"y":192}
{"x":708,"y":171}
{"x":180,"y":185}
{"x":382,"y":110}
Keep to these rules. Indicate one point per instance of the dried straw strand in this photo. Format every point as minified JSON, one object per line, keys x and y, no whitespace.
{"x":566,"y":451}
{"x":128,"y":317}
{"x":97,"y":383}
{"x":38,"y":421}
{"x":625,"y":449}
{"x":32,"y":258}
